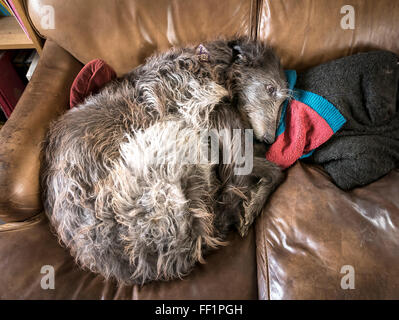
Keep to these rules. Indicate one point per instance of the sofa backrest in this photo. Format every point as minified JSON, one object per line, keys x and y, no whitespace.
{"x":125,"y":32}
{"x":304,"y":32}
{"x":308,"y":32}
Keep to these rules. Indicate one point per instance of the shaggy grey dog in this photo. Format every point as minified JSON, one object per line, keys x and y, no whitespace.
{"x":115,"y":184}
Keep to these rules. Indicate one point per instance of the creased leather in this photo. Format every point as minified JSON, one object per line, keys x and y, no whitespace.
{"x":306,"y":33}
{"x":45,"y":97}
{"x":308,"y":230}
{"x":25,"y":247}
{"x":123,"y":33}
{"x":311,"y":229}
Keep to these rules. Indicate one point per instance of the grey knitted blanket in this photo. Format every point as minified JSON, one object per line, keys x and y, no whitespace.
{"x":364,"y":88}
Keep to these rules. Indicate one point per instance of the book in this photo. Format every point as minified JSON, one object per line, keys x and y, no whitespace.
{"x":31,"y":57}
{"x":17,"y":16}
{"x":4,"y":10}
{"x":32,"y":65}
{"x":11,"y":86}
{"x":20,"y":62}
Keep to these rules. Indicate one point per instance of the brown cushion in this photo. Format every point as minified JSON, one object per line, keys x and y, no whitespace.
{"x":25,"y":247}
{"x":308,"y":32}
{"x":123,"y":33}
{"x":305,"y":33}
{"x":311,"y":229}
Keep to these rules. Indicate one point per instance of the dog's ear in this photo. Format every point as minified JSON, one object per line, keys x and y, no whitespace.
{"x":237,"y":53}
{"x":236,"y":50}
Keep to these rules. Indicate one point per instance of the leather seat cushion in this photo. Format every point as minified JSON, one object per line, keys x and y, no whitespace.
{"x":25,"y":247}
{"x":311,"y":229}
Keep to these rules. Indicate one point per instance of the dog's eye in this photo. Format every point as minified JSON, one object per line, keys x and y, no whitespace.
{"x":270,"y":89}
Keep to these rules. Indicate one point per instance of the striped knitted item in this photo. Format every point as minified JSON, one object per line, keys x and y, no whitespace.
{"x":307,"y":121}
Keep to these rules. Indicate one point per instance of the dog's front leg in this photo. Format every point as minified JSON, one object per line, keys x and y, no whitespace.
{"x":270,"y":176}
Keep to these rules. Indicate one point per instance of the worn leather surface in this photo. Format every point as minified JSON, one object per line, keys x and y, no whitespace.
{"x":311,"y":229}
{"x":45,"y":97}
{"x":306,"y":33}
{"x":25,"y":247}
{"x":123,"y":33}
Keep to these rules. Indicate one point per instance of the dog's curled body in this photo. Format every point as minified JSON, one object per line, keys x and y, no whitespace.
{"x":120,"y":208}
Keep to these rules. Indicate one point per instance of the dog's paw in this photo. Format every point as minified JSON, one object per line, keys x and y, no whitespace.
{"x":243,"y":227}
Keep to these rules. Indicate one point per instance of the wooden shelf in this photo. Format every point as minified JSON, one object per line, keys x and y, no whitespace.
{"x":12,"y":36}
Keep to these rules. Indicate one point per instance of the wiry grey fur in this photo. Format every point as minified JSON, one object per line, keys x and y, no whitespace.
{"x":124,"y":213}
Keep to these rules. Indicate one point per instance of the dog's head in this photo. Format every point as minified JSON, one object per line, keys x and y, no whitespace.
{"x":259,"y":84}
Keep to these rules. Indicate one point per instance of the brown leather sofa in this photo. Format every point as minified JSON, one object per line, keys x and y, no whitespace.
{"x":308,"y":231}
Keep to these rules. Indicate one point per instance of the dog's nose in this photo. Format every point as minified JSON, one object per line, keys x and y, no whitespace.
{"x":267,"y":139}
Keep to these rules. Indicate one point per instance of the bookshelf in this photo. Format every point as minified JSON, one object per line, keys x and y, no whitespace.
{"x":13,"y":37}
{"x":17,"y":59}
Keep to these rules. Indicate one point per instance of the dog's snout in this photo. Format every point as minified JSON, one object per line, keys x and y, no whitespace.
{"x":268,"y":139}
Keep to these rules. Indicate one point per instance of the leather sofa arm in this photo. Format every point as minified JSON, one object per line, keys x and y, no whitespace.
{"x":45,"y":97}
